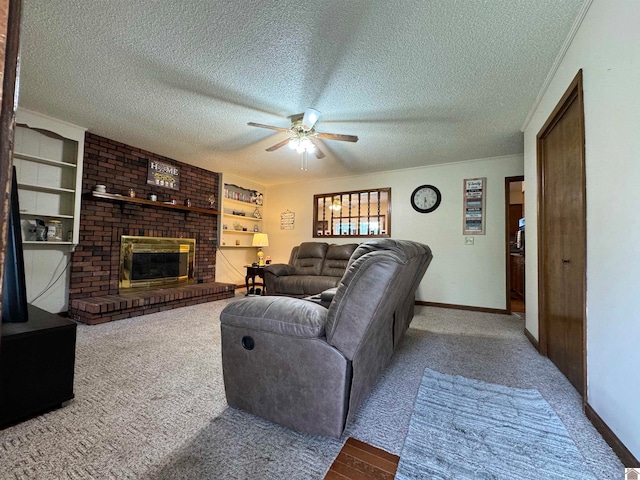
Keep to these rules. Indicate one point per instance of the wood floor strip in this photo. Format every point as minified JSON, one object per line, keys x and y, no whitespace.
{"x":360,"y":461}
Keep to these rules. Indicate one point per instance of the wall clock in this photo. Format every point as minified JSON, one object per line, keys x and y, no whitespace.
{"x":426,"y":198}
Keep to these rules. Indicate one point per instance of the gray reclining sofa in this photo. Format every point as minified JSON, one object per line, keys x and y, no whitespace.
{"x":313,"y":267}
{"x":307,"y":367}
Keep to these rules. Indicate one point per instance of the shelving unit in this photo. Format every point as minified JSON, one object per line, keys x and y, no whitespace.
{"x":237,"y":238}
{"x":48,"y":156}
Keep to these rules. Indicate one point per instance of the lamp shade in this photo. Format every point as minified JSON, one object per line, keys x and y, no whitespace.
{"x":260,"y":240}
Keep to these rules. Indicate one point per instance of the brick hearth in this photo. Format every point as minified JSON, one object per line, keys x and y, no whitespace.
{"x":94,"y":310}
{"x":93,"y":289}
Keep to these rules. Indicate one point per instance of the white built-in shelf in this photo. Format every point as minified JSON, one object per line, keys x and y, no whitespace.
{"x":46,"y":215}
{"x":42,"y":188}
{"x":48,"y":243}
{"x":242,"y":217}
{"x":48,"y":161}
{"x":231,"y":201}
{"x":230,"y":235}
{"x":48,"y":156}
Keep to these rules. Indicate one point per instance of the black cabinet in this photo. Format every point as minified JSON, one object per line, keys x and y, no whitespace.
{"x":36,"y":365}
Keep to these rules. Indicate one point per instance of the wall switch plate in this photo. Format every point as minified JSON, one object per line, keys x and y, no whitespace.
{"x":468,"y":240}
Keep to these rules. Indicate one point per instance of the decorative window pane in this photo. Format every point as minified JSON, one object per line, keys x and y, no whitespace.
{"x":359,"y":213}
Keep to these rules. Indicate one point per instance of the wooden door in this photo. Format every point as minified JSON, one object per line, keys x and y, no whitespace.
{"x":562,"y":236}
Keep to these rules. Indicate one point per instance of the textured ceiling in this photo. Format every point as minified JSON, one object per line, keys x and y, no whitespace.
{"x":419,"y":82}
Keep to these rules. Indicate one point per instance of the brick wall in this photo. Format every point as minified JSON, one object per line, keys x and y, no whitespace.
{"x":94,"y":265}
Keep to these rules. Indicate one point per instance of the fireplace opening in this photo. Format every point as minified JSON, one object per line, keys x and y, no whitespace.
{"x":156,"y":261}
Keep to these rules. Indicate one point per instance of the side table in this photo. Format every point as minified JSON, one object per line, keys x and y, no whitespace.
{"x":252,"y":272}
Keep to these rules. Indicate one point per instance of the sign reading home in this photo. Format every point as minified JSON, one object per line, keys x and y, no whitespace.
{"x":163,"y":175}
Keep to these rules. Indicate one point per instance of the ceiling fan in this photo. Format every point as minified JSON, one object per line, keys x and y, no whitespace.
{"x":302,"y":133}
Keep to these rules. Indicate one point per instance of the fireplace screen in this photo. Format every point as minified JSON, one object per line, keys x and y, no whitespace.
{"x":156,"y":261}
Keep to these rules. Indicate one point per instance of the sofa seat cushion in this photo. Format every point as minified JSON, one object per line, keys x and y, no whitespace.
{"x":285,"y":316}
{"x":304,"y":285}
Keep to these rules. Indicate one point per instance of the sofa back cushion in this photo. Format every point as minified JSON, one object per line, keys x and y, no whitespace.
{"x":310,"y":258}
{"x":337,"y":258}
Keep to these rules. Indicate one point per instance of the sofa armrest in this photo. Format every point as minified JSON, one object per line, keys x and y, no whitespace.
{"x":280,"y":269}
{"x":323,"y":298}
{"x":292,"y":317}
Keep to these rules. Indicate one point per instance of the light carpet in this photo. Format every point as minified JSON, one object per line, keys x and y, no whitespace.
{"x":467,"y":429}
{"x":150,"y":402}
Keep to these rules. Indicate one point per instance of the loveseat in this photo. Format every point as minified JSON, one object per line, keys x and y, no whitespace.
{"x":307,"y":367}
{"x":313,"y":267}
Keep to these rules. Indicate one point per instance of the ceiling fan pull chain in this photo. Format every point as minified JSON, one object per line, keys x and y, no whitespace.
{"x":303,"y":161}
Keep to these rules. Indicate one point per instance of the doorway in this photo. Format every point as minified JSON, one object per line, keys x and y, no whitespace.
{"x":515,"y":244}
{"x":562,"y":237}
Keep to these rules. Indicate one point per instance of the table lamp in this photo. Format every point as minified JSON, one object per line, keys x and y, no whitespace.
{"x":260,"y":240}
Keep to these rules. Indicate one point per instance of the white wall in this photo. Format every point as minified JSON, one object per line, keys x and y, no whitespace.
{"x":607,"y":48}
{"x":459,"y":275}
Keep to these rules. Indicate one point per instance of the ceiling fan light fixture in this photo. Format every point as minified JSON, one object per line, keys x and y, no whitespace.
{"x":301,"y":144}
{"x":307,"y":144}
{"x":303,"y":136}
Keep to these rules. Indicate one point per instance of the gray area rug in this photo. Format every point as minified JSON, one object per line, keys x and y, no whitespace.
{"x":466,"y":429}
{"x":150,"y":402}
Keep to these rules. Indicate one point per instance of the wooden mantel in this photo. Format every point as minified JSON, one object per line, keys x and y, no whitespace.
{"x":152,"y":203}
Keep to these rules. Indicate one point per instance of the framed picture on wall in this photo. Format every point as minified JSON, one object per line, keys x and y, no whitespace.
{"x":473,"y":204}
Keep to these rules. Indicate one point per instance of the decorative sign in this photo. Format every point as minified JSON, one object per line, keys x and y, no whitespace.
{"x":287,"y":220}
{"x":163,"y":174}
{"x":473,"y":203}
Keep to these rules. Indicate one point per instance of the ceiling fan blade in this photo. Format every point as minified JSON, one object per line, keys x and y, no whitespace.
{"x":319,"y":153}
{"x":337,"y":136}
{"x":310,"y":117}
{"x":278,"y":145}
{"x":271,"y":127}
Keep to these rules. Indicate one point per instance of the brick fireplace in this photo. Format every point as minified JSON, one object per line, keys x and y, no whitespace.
{"x":94,"y":294}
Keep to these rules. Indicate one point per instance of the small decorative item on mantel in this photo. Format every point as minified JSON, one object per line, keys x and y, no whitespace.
{"x":212,"y":201}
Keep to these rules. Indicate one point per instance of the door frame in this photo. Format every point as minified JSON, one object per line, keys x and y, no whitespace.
{"x":573,"y":93}
{"x":507,"y":235}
